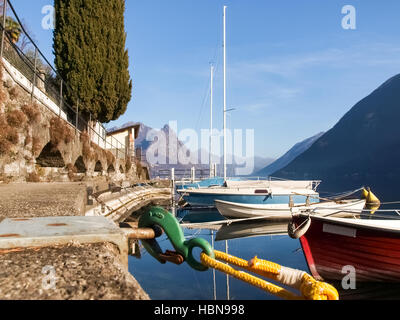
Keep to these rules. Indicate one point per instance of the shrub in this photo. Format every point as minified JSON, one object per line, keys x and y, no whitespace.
{"x":16,"y":118}
{"x":32,"y":112}
{"x":33,"y":177}
{"x":72,"y":171}
{"x":5,"y":146}
{"x":12,"y":135}
{"x":14,"y":92}
{"x":60,"y":131}
{"x":5,"y":178}
{"x":87,"y":151}
{"x":40,"y":171}
{"x":71,"y":167}
{"x":84,"y":137}
{"x":8,"y":136}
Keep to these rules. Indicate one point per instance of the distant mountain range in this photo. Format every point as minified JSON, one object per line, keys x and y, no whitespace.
{"x":362,"y":149}
{"x":288,"y":157}
{"x":169,"y":134}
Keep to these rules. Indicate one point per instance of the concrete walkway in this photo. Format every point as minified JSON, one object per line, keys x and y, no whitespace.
{"x":26,"y":200}
{"x":68,"y":270}
{"x":83,"y":272}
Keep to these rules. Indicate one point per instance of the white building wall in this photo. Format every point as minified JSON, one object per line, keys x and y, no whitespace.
{"x":99,"y":134}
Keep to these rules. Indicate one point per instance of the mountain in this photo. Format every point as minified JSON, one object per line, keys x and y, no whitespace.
{"x":145,"y":141}
{"x":167,"y":132}
{"x":240,"y":166}
{"x":261,"y":162}
{"x":157,"y":169}
{"x":362,"y":149}
{"x":289,"y":156}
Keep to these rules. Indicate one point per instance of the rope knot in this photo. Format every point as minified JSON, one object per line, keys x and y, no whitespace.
{"x":264,"y":266}
{"x":312,"y":289}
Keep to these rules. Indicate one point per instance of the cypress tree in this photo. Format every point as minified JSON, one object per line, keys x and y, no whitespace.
{"x":90,"y":54}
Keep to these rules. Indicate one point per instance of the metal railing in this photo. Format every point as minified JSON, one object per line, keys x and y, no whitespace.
{"x":38,"y":76}
{"x":183,"y":175}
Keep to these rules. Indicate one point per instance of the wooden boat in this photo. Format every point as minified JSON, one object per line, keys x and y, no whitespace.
{"x":371,"y":247}
{"x":283,"y":210}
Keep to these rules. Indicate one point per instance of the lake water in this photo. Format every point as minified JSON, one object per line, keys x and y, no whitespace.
{"x":169,"y":281}
{"x":172,"y":282}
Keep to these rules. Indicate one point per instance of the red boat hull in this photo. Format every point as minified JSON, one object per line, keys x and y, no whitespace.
{"x":330,"y":246}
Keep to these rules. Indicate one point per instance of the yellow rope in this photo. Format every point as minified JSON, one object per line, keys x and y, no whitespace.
{"x":310,"y":288}
{"x":264,"y":268}
{"x":248,"y":278}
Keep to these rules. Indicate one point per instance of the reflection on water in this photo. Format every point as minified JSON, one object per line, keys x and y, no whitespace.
{"x":245,"y":239}
{"x":168,"y":281}
{"x":199,"y":216}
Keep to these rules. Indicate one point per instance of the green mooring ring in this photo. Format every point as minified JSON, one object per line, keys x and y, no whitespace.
{"x":164,"y":219}
{"x":202,"y":244}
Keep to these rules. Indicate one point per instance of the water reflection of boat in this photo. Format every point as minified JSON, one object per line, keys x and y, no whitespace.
{"x":249,"y":229}
{"x":202,"y":215}
{"x":371,"y":247}
{"x":281,"y":211}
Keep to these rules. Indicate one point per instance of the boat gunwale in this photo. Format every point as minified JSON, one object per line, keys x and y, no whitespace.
{"x":299,"y":207}
{"x":355,"y":223}
{"x":202,"y":191}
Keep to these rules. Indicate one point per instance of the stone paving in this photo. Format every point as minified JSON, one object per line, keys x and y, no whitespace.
{"x":77,"y":272}
{"x":81,"y":271}
{"x":27,"y":200}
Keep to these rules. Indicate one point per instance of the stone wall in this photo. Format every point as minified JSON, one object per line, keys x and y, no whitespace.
{"x":36,"y":145}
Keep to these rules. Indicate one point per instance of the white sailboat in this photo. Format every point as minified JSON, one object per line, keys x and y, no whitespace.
{"x":270,"y":191}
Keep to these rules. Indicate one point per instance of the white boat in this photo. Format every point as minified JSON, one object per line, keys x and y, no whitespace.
{"x":262,"y":192}
{"x":285,"y":211}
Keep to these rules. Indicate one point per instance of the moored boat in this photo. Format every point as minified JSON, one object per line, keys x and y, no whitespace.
{"x":286,"y":210}
{"x":253,"y":192}
{"x":333,"y":245}
{"x":206,"y":183}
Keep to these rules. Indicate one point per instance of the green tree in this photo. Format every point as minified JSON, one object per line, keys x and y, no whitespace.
{"x":13,"y":29}
{"x":90,"y":54}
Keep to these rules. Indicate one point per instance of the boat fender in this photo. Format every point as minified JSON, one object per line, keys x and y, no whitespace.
{"x":364,"y":194}
{"x":297,"y":232}
{"x":370,"y":197}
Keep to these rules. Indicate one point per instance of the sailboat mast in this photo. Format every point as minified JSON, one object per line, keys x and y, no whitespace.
{"x":211,"y":121}
{"x":225,"y":93}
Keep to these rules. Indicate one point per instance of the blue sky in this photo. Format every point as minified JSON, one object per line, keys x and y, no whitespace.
{"x":293,"y":71}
